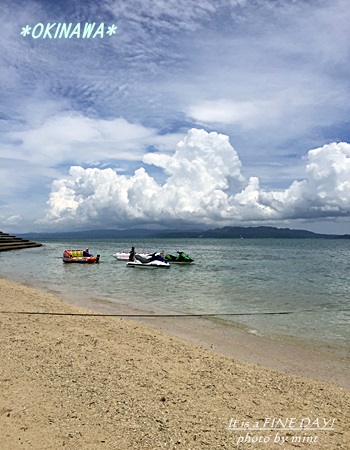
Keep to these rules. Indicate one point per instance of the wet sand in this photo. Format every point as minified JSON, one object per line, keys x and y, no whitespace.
{"x":277,"y":353}
{"x":88,"y":382}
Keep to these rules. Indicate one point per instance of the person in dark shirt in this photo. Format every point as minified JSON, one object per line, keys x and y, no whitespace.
{"x":132,"y":254}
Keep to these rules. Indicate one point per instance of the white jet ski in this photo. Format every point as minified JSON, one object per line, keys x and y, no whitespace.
{"x":154,"y":261}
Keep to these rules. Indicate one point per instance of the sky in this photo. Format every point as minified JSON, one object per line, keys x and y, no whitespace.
{"x":174,"y":114}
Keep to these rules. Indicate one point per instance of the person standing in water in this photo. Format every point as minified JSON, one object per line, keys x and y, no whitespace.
{"x":132,"y":254}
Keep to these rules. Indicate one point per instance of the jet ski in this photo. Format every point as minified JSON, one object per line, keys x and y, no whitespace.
{"x":181,"y":258}
{"x":154,"y":261}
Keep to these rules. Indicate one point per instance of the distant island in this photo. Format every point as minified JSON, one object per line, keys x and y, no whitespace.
{"x":217,"y":233}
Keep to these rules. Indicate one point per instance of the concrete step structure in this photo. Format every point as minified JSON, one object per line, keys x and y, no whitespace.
{"x":9,"y":242}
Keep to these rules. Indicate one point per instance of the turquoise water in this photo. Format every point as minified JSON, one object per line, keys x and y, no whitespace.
{"x":246,"y":277}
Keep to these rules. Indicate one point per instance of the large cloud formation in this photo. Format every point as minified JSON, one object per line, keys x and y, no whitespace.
{"x":204,"y":185}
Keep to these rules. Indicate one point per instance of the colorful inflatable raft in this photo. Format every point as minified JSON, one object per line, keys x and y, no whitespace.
{"x":79,"y":256}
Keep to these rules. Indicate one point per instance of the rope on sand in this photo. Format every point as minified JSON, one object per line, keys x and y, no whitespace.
{"x":269,"y":313}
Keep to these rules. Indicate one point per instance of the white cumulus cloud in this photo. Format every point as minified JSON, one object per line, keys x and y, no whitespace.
{"x":204,"y":185}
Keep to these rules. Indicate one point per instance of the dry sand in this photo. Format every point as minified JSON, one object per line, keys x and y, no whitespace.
{"x":109,"y":383}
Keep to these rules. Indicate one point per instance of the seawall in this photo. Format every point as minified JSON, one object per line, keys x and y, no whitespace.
{"x":9,"y":242}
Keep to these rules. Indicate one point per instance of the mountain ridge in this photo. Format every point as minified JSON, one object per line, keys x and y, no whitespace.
{"x":228,"y":232}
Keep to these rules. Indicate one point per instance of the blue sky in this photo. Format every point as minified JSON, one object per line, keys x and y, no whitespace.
{"x":234,"y":112}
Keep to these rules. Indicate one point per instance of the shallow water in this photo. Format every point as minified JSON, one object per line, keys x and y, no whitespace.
{"x":253,"y":279}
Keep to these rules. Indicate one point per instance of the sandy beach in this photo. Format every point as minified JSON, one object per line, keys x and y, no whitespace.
{"x":88,"y":382}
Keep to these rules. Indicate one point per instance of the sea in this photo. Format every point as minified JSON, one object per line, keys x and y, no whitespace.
{"x":293,"y":289}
